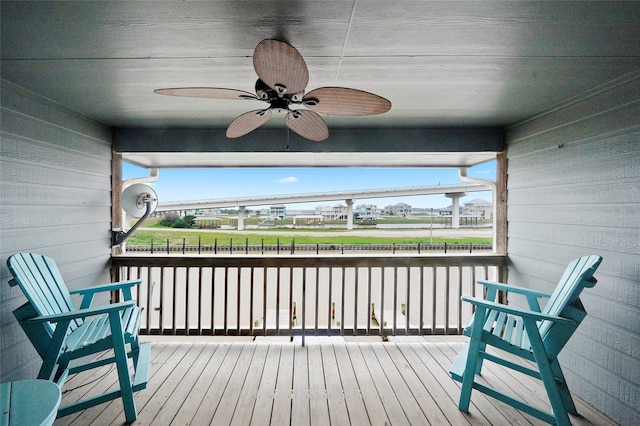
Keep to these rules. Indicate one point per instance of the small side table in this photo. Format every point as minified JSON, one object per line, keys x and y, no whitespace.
{"x":29,"y":402}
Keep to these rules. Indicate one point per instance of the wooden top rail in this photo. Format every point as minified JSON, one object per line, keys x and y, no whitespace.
{"x":241,"y":260}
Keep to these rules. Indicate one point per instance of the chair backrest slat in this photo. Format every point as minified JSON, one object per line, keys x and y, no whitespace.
{"x":41,"y":282}
{"x":577,"y":276}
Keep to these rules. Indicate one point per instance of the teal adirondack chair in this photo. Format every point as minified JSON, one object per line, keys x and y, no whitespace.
{"x":62,"y":333}
{"x":535,"y":335}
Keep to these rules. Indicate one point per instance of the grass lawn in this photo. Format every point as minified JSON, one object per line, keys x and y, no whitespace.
{"x":144,"y":237}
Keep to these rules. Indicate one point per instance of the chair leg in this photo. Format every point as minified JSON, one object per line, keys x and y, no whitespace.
{"x":563,"y":388}
{"x":482,"y":346}
{"x":50,"y":359}
{"x":556,"y":398}
{"x":62,"y":366}
{"x":475,"y":343}
{"x":126,"y":389}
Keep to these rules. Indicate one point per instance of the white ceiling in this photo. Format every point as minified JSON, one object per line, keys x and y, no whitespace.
{"x":440,"y":63}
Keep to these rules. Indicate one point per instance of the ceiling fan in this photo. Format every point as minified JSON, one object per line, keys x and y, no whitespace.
{"x":282,"y":79}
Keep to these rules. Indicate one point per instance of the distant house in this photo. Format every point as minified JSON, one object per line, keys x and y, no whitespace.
{"x":278,"y":212}
{"x":475,"y":208}
{"x":478,"y":208}
{"x":367,"y":211}
{"x":335,"y":212}
{"x":399,"y":210}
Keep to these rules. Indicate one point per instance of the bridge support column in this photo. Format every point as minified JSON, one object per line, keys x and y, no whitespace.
{"x":455,"y":210}
{"x":349,"y":214}
{"x":241,"y":213}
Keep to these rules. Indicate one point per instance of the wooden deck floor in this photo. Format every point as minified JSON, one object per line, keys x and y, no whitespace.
{"x":327,"y":382}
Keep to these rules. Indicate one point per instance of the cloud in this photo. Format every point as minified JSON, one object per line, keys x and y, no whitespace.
{"x":290,"y":179}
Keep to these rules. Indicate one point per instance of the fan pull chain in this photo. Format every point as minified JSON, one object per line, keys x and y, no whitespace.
{"x":288,"y":132}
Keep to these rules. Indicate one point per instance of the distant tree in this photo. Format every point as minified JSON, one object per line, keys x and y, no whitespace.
{"x":173,"y":220}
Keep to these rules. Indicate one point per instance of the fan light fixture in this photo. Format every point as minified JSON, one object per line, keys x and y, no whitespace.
{"x":282,"y":79}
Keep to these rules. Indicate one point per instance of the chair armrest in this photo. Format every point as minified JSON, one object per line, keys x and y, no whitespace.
{"x":83,"y":313}
{"x":516,"y":311}
{"x":107,"y":287}
{"x":513,"y":288}
{"x":89,"y":292}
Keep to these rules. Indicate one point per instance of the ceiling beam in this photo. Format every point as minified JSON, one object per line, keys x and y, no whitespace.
{"x":341,"y":140}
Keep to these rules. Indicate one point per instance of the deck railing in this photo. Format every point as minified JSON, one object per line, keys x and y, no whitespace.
{"x":312,"y":295}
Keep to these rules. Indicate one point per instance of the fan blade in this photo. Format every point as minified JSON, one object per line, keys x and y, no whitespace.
{"x":248,"y":122}
{"x":307,"y":124}
{"x":280,"y":66}
{"x":206,"y":92}
{"x":345,"y":101}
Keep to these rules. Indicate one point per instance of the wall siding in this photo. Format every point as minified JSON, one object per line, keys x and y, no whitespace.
{"x":55,"y":175}
{"x":574,"y":189}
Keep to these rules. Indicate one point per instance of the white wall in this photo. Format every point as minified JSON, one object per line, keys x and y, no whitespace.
{"x":574,"y":189}
{"x":55,"y":199}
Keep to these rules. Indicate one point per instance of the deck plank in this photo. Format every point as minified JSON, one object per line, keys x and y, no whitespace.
{"x":265,"y":395}
{"x":207,"y":409}
{"x":371,"y":399}
{"x":318,"y":400}
{"x":405,"y":397}
{"x":249,"y":392}
{"x":300,"y":393}
{"x":194,"y":398}
{"x":194,"y":369}
{"x":338,"y":414}
{"x":328,"y":381}
{"x":228,"y":403}
{"x":436,"y":389}
{"x":350,"y":388}
{"x":162,"y":399}
{"x":390,"y":402}
{"x":413,"y":384}
{"x":281,"y":411}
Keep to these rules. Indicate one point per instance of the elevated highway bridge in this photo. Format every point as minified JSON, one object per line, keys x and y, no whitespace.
{"x":455,"y":192}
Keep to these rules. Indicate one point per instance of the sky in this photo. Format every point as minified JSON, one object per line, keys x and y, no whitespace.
{"x":225,"y":183}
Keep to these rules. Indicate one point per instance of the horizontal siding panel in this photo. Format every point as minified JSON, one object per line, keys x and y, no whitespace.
{"x":25,"y":102}
{"x":618,"y":313}
{"x":18,"y":355}
{"x":7,"y":295}
{"x":606,"y":193}
{"x":49,"y":195}
{"x":625,"y":367}
{"x":37,"y":154}
{"x":610,"y":124}
{"x":23,"y":218}
{"x":620,"y":412}
{"x":610,"y":239}
{"x":577,"y":152}
{"x":18,"y":172}
{"x":28,"y":366}
{"x":527,"y":171}
{"x":601,"y":387}
{"x":9,"y":323}
{"x":66,"y":140}
{"x":611,"y":97}
{"x":49,"y":238}
{"x":614,"y":338}
{"x":621,"y":215}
